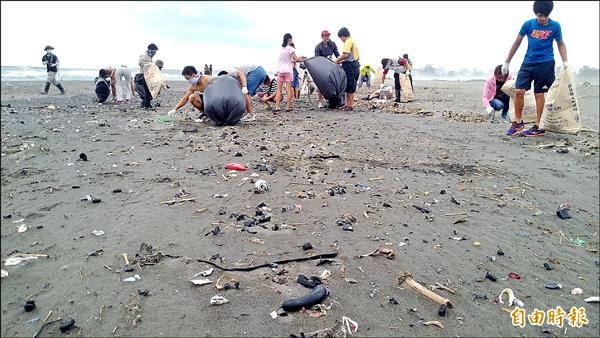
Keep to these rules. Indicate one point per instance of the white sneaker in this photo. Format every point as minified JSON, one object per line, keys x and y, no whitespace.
{"x":247,"y":118}
{"x":321,"y":105}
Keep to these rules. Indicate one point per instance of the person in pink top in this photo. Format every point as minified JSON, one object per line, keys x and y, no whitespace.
{"x":493,"y":98}
{"x":287,"y":57}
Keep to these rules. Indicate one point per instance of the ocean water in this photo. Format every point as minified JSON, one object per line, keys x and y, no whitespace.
{"x":21,"y":73}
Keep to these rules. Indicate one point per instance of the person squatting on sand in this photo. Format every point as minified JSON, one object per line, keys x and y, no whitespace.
{"x":350,"y":63}
{"x":103,"y":83}
{"x":198,"y":84}
{"x":287,"y":57}
{"x":493,"y":98}
{"x":267,"y":91}
{"x":538,"y":65}
{"x":141,"y":85}
{"x":51,"y":61}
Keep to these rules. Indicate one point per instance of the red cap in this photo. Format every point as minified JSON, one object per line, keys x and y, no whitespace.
{"x":325,"y":32}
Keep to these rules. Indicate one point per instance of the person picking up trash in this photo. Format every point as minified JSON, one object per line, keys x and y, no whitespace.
{"x":195,"y":91}
{"x":538,"y":66}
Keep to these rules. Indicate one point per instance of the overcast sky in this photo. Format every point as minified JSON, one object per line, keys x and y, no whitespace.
{"x":452,"y":35}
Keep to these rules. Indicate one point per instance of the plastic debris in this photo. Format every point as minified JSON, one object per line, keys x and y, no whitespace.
{"x":325,"y":274}
{"x":442,"y":310}
{"x":261,"y":186}
{"x":4,"y":273}
{"x":381,"y":251}
{"x":491,"y":277}
{"x":98,"y":232}
{"x":66,"y":324}
{"x":22,"y":259}
{"x":91,"y":198}
{"x":349,"y":325}
{"x":553,"y":286}
{"x":309,"y":282}
{"x":273,"y":314}
{"x":578,"y":241}
{"x":29,"y":306}
{"x":132,"y":278}
{"x":512,"y":300}
{"x":514,"y":276}
{"x":594,"y":299}
{"x":218,"y":300}
{"x":434,"y":322}
{"x":563,"y":214}
{"x":83,"y":157}
{"x":548,"y":266}
{"x":235,"y":166}
{"x":576,"y":291}
{"x":22,"y":228}
{"x":500,"y":253}
{"x":204,"y":273}
{"x":203,"y":281}
{"x":226,"y":282}
{"x":307,"y":246}
{"x":316,"y":296}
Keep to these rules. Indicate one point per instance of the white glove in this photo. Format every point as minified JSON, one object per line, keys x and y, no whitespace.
{"x":381,"y":86}
{"x":171,"y":112}
{"x":505,"y":68}
{"x":565,"y":65}
{"x":489,"y":109}
{"x":244,"y":90}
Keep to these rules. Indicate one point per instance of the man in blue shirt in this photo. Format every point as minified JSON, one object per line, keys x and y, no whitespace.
{"x":326,"y":48}
{"x":538,"y":65}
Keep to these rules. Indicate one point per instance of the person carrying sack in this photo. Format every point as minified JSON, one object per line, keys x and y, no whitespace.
{"x":140,"y":82}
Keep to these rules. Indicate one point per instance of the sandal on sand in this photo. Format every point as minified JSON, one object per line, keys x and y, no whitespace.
{"x":346,"y":108}
{"x":288,"y":110}
{"x":276,"y":111}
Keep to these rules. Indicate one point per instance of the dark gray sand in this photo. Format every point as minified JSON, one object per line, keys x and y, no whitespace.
{"x":508,"y":188}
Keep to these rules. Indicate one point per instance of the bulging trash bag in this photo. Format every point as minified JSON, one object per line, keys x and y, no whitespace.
{"x":329,"y":78}
{"x":224,"y":102}
{"x":561,"y":110}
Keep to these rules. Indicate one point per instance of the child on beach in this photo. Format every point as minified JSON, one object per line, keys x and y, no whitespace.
{"x":267,"y":91}
{"x":365,"y":76}
{"x":287,"y":57}
{"x":538,"y":66}
{"x":51,"y":61}
{"x":494,"y":99}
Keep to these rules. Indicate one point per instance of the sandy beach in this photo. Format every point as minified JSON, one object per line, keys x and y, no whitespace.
{"x":478,"y":192}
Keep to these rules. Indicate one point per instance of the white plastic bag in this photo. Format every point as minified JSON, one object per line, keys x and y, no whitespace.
{"x":561,"y":110}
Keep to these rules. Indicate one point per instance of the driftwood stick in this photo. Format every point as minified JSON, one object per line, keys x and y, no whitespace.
{"x":406,"y":277}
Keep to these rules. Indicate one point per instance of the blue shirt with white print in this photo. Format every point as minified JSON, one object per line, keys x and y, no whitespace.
{"x":539,"y":40}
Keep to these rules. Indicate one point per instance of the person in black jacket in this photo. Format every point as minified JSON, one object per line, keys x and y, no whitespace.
{"x":51,"y":62}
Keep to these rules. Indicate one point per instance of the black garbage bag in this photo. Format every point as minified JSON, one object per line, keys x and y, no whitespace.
{"x":329,"y":78}
{"x":102,"y":89}
{"x":142,"y":89}
{"x":224,"y":102}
